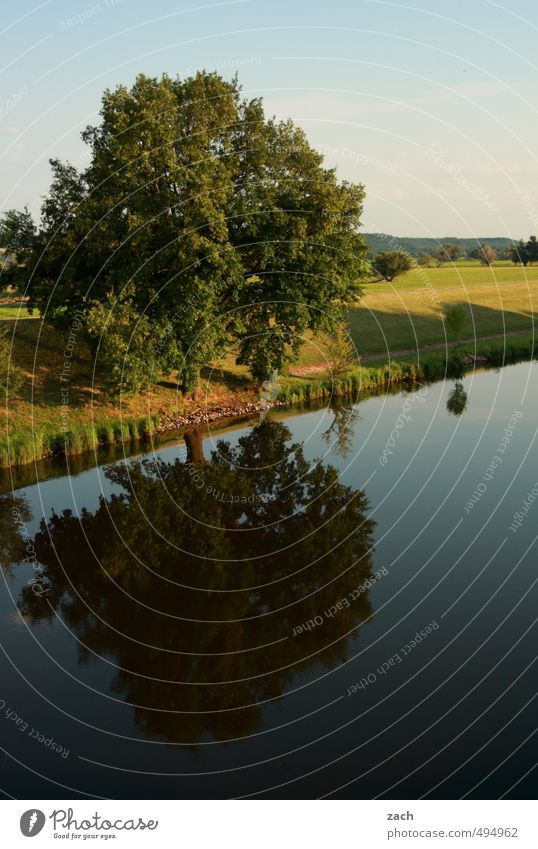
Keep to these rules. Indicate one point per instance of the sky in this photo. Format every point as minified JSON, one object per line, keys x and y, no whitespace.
{"x":431,"y":105}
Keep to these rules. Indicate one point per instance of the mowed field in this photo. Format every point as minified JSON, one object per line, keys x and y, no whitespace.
{"x":404,"y":316}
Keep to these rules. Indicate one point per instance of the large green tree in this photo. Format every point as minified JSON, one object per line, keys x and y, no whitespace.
{"x":205,"y":224}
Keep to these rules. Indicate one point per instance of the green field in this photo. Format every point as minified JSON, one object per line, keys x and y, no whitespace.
{"x":14,"y":311}
{"x":406,"y":315}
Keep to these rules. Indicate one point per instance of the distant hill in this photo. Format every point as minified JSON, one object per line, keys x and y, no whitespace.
{"x":417,"y":245}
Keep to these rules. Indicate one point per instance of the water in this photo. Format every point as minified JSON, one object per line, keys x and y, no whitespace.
{"x":335,"y":603}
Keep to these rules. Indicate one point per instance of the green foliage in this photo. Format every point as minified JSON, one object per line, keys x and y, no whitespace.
{"x":341,"y":352}
{"x":426,"y":260}
{"x":390,"y":264}
{"x":485,"y":254}
{"x":415,"y":245}
{"x":17,"y":237}
{"x":123,"y":342}
{"x":198,"y":224}
{"x":524,"y":252}
{"x":455,"y":318}
{"x":457,"y":399}
{"x":448,"y":252}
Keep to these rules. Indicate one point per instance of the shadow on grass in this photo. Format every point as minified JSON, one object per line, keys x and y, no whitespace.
{"x":378,"y":331}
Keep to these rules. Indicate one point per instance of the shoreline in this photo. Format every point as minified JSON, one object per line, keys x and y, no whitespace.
{"x":33,"y":445}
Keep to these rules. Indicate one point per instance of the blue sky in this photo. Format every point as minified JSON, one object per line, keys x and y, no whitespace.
{"x":431,"y":105}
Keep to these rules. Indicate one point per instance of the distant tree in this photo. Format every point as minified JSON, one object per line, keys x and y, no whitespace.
{"x":485,"y":254}
{"x":17,"y":237}
{"x":532,"y":249}
{"x":448,"y":253}
{"x":518,"y":253}
{"x":390,"y":264}
{"x":426,"y":260}
{"x":455,"y":318}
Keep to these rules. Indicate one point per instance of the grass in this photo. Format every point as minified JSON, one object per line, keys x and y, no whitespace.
{"x":407,"y":314}
{"x":400,"y":320}
{"x":14,"y":311}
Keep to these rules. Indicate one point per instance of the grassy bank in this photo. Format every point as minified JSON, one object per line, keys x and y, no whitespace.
{"x":27,"y":446}
{"x":425,"y":368}
{"x":392,"y":317}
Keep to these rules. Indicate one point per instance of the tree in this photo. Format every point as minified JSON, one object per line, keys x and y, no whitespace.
{"x":17,"y":237}
{"x":518,"y":253}
{"x":390,"y":264}
{"x":485,"y":254}
{"x":455,"y":318}
{"x":448,"y":253}
{"x":532,"y":249}
{"x":426,"y":260}
{"x":203,"y":218}
{"x":340,"y":352}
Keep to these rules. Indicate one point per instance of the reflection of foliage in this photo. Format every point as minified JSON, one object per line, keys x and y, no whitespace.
{"x":457,"y":399}
{"x":339,"y":434}
{"x":180,"y":579}
{"x":14,"y":514}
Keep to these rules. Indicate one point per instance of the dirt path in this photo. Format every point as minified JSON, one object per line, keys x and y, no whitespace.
{"x":316,"y":368}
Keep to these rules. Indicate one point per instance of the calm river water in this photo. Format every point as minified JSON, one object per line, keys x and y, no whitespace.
{"x":336,"y":603}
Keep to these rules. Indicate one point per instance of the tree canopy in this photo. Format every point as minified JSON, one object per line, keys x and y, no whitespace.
{"x":484,"y":253}
{"x":198,"y":224}
{"x":390,"y":264}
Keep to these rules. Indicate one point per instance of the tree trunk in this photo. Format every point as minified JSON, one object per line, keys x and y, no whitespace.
{"x":195,"y":447}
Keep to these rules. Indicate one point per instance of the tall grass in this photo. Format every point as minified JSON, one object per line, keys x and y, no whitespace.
{"x":30,"y":445}
{"x":432,"y":366}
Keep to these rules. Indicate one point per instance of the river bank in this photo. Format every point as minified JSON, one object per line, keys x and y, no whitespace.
{"x":42,"y":442}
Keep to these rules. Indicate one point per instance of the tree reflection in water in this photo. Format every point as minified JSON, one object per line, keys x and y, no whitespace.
{"x":193,"y":580}
{"x":457,"y":399}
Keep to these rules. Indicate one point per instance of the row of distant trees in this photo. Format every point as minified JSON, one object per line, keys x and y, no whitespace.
{"x":390,"y":264}
{"x":520,"y":253}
